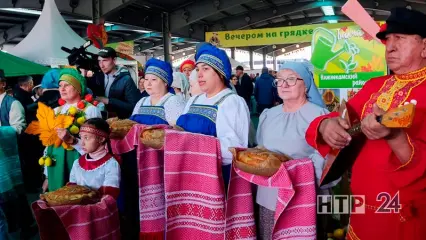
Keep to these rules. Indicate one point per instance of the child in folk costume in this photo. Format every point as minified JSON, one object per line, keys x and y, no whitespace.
{"x":218,"y":112}
{"x":97,"y":169}
{"x":72,"y":87}
{"x":162,"y":106}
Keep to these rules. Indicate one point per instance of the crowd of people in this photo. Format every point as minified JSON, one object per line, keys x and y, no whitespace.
{"x":205,"y":98}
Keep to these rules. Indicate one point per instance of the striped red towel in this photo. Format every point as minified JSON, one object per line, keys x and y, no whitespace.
{"x":195,"y":198}
{"x":151,"y":182}
{"x":295,"y":216}
{"x":80,"y":222}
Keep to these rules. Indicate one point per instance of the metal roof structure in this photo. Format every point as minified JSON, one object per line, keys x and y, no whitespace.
{"x":141,"y":20}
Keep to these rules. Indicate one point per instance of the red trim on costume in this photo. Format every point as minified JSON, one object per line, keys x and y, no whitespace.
{"x":312,"y":133}
{"x":71,"y":184}
{"x":91,"y":165}
{"x":112,"y":191}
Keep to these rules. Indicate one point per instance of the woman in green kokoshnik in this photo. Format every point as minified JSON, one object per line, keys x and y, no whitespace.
{"x":72,"y":87}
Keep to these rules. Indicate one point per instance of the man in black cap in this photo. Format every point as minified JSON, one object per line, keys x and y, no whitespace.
{"x":390,"y":169}
{"x":114,"y":86}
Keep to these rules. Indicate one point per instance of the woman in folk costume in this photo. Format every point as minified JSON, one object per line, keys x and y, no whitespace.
{"x":218,"y":111}
{"x":162,"y":106}
{"x":187,"y":67}
{"x":181,"y":85}
{"x":72,"y":87}
{"x":97,"y":168}
{"x":282,"y":129}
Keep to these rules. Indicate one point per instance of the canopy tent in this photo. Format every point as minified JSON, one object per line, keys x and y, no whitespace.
{"x":14,"y":66}
{"x":43,"y":44}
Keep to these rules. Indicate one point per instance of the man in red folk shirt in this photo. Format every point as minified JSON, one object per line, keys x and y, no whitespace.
{"x":392,"y":161}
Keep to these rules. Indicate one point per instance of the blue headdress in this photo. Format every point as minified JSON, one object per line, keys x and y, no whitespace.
{"x":51,"y":79}
{"x":302,"y":69}
{"x":215,"y":58}
{"x":161,"y":69}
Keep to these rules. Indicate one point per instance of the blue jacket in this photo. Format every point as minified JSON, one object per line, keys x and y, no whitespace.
{"x":6,"y":104}
{"x":264,"y":91}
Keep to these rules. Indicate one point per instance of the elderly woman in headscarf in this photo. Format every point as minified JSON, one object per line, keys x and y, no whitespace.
{"x":181,"y":85}
{"x":218,"y":111}
{"x":72,"y":87}
{"x":282,"y":129}
{"x":162,"y":106}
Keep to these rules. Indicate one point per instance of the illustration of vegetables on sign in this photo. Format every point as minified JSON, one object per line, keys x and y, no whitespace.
{"x":346,"y":57}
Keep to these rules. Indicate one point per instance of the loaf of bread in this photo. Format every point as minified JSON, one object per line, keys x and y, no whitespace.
{"x":258,"y":161}
{"x":120,"y":128}
{"x":153,"y":137}
{"x":70,"y":195}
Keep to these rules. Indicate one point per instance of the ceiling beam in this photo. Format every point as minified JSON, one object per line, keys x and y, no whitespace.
{"x":146,"y":46}
{"x":175,"y":49}
{"x":83,"y":8}
{"x":199,"y":10}
{"x":16,"y":31}
{"x":143,"y":19}
{"x":316,"y":20}
{"x":184,"y":53}
{"x":252,"y":18}
{"x":110,"y":6}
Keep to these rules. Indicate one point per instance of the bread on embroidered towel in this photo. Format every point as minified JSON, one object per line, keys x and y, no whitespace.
{"x":120,"y":128}
{"x":194,"y":186}
{"x":71,"y":195}
{"x":78,"y":222}
{"x":259,"y":161}
{"x":150,"y":163}
{"x":296,"y":197}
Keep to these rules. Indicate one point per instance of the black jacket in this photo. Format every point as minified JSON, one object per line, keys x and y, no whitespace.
{"x":245,"y":89}
{"x":123,"y":94}
{"x":25,"y":99}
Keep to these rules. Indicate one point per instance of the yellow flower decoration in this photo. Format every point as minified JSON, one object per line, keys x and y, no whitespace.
{"x":47,"y":123}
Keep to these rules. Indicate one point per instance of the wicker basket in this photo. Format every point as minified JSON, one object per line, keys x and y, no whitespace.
{"x":266,"y":168}
{"x":120,"y":128}
{"x":71,"y":195}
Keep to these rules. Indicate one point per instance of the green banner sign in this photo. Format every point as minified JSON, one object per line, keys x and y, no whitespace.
{"x":346,"y":57}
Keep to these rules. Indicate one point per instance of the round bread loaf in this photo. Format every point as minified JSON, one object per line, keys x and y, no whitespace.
{"x":120,"y":128}
{"x":153,"y":138}
{"x":259,"y":161}
{"x":70,"y":195}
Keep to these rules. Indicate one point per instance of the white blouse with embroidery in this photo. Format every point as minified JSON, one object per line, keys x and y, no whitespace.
{"x":173,"y":107}
{"x":107,"y":174}
{"x":232,"y":121}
